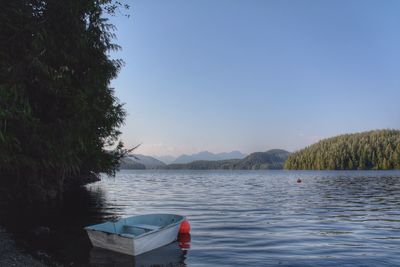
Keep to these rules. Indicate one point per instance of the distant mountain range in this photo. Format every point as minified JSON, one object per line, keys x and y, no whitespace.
{"x":205,"y":155}
{"x":376,"y":150}
{"x":166,"y":159}
{"x":271,"y":159}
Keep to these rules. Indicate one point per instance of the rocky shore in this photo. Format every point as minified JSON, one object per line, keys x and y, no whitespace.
{"x":10,"y":255}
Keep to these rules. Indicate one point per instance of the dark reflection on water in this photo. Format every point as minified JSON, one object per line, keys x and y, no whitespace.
{"x":249,"y":218}
{"x":55,"y":231}
{"x":170,"y":255}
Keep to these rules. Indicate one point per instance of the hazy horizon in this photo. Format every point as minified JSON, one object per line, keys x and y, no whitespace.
{"x":256,"y":75}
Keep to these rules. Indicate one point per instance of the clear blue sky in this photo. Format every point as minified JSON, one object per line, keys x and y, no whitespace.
{"x":224,"y":75}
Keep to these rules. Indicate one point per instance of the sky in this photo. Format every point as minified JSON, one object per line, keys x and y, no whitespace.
{"x":248,"y":75}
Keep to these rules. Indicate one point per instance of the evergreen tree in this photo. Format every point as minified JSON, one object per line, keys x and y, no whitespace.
{"x":57,"y":110}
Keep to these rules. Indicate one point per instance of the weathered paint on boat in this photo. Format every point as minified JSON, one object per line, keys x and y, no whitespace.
{"x":137,"y":234}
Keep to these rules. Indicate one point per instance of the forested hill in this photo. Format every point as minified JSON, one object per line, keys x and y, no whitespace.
{"x":376,"y":150}
{"x":140,"y":162}
{"x":272,"y":159}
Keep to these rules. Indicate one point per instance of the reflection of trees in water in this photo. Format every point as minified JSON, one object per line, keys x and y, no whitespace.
{"x":56,"y":227}
{"x":57,"y":230}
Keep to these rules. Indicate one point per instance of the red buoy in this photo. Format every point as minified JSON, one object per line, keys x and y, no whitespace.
{"x":184,"y":241}
{"x":184,"y":228}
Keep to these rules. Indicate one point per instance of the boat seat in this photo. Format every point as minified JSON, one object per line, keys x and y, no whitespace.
{"x":143,"y":226}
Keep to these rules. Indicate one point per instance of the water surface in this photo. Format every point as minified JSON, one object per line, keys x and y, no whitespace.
{"x":248,"y":218}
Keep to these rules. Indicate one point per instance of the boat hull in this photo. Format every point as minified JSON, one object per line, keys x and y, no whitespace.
{"x":134,"y":245}
{"x":112,"y":242}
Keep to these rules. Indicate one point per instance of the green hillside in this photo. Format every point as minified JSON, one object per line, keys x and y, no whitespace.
{"x":130,"y":164}
{"x":373,"y":150}
{"x":272,"y":159}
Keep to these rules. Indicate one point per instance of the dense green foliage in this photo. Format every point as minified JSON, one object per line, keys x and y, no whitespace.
{"x":57,"y":111}
{"x":368,"y":150}
{"x":272,"y":159}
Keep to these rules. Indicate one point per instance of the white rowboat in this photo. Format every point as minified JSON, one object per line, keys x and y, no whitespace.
{"x":137,"y":234}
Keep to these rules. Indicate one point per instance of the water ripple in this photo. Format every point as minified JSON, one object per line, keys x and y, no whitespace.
{"x":258,"y":218}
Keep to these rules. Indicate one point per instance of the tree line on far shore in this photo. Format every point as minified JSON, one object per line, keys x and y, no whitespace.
{"x":373,"y":150}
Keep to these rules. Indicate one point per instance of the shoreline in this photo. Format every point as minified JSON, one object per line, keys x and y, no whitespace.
{"x":10,"y":255}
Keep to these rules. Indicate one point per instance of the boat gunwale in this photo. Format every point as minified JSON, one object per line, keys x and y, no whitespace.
{"x":88,"y":228}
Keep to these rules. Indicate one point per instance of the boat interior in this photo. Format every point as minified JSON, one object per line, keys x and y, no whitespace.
{"x":137,"y":225}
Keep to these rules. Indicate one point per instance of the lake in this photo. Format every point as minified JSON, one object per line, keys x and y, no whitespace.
{"x":247,"y":218}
